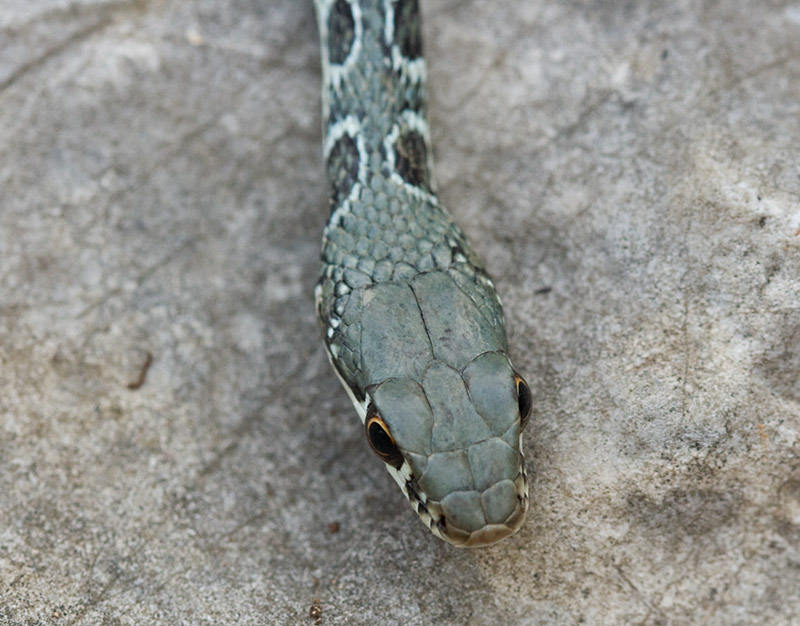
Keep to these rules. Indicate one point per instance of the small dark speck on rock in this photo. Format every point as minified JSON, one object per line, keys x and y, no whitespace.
{"x":762,"y":220}
{"x":315,"y":612}
{"x":136,"y":384}
{"x":543,"y":290}
{"x":333,"y":527}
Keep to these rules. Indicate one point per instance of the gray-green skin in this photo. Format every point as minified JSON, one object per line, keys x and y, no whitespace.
{"x":412,"y":323}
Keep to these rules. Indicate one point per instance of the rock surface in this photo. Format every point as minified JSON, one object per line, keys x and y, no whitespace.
{"x":629,"y":171}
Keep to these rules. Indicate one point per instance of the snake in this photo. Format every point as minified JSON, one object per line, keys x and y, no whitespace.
{"x":411,"y":321}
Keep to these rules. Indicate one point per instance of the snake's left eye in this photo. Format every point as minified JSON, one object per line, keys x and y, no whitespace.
{"x":525,"y":400}
{"x":381,"y":440}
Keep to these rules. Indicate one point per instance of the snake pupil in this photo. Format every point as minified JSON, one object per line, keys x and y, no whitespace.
{"x":380,"y":439}
{"x":525,"y":400}
{"x":382,"y":443}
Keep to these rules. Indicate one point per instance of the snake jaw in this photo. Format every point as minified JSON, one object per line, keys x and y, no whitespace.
{"x":426,"y":510}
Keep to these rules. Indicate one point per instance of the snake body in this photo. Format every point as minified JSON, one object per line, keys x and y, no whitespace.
{"x":411,"y":321}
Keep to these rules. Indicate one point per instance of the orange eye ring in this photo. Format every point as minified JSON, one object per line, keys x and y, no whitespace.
{"x":525,"y":399}
{"x":381,"y":440}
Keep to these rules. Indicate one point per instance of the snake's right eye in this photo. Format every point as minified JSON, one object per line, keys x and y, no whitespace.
{"x":381,"y":440}
{"x":525,"y":400}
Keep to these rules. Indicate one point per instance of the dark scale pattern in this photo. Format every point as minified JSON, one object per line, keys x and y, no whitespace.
{"x":341,"y":29}
{"x":411,"y":159}
{"x":407,"y":28}
{"x":343,"y":165}
{"x":412,"y":99}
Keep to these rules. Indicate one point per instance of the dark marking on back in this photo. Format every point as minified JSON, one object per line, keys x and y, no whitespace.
{"x":343,"y":165}
{"x":341,"y":31}
{"x":411,"y":159}
{"x":407,"y":28}
{"x":412,"y":99}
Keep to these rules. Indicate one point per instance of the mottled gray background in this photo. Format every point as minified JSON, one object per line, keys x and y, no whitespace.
{"x":630,"y":171}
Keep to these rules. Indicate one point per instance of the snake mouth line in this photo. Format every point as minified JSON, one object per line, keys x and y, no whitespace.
{"x":418,"y":502}
{"x":434,"y":521}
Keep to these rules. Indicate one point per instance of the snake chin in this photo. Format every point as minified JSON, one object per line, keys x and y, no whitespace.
{"x":490,"y":533}
{"x":432,"y":515}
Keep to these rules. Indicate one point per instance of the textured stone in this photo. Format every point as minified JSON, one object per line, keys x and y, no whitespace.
{"x":627,"y":170}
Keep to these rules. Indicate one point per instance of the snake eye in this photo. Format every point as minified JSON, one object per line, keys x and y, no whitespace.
{"x":525,"y":400}
{"x":381,"y":440}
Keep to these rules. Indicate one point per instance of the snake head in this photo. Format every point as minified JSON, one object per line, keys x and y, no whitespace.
{"x":453,"y":442}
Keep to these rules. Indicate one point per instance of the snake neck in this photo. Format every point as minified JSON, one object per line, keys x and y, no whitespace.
{"x":374,"y":116}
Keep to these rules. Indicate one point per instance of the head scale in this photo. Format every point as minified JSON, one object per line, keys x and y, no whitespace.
{"x":453,"y":443}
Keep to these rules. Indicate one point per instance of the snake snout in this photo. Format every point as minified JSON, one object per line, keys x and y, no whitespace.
{"x":474,"y":518}
{"x":488,"y":534}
